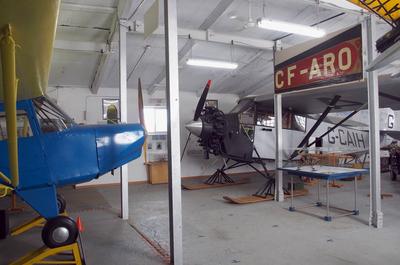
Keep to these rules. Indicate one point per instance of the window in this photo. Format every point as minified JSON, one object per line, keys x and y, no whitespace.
{"x":293,"y":122}
{"x":301,"y":123}
{"x":243,"y":106}
{"x":51,"y":117}
{"x":267,"y":120}
{"x":23,"y":125}
{"x":247,"y":118}
{"x":290,"y":121}
{"x":156,"y":119}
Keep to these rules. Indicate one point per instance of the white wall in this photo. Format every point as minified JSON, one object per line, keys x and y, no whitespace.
{"x":78,"y":101}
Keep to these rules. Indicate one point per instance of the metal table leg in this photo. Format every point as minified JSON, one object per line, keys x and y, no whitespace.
{"x":319,"y":203}
{"x":291,"y":208}
{"x":328,"y":217}
{"x":356,"y":211}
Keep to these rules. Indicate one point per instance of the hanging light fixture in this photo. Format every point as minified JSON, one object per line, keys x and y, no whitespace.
{"x":288,"y":27}
{"x":212,"y":63}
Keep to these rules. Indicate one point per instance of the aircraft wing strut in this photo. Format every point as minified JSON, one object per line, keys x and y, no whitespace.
{"x":339,"y":124}
{"x":330,"y":106}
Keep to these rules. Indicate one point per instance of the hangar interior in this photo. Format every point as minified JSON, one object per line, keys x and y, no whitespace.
{"x":167,"y":199}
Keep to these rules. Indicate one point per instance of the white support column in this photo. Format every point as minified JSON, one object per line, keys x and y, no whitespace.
{"x":279,"y":196}
{"x":123,"y":96}
{"x":174,"y":146}
{"x":376,"y":215}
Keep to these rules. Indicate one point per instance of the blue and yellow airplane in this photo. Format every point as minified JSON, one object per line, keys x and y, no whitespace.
{"x":41,"y":148}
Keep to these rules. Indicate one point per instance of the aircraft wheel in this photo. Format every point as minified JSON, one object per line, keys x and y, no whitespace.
{"x":61,"y":203}
{"x":59,"y":231}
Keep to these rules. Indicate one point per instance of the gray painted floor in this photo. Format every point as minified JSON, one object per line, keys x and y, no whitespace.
{"x":107,"y":239}
{"x":217,"y":233}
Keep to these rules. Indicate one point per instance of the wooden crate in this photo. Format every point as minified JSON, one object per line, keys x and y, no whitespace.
{"x":157,"y":172}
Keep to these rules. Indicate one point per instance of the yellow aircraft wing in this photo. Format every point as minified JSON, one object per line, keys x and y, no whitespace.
{"x":33,"y":25}
{"x":27,"y":32}
{"x":389,"y":10}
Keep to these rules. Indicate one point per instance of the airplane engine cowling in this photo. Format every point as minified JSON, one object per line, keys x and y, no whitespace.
{"x":118,"y":145}
{"x":213,"y":130}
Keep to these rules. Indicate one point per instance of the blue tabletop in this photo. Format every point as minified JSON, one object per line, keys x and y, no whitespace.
{"x":325,"y":172}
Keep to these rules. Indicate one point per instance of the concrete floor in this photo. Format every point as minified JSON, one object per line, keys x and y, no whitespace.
{"x":107,"y":239}
{"x":217,"y":233}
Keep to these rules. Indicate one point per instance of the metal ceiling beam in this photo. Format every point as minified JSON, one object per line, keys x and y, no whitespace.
{"x":84,"y":46}
{"x":207,"y":23}
{"x":212,"y":36}
{"x":87,"y":8}
{"x":105,"y":62}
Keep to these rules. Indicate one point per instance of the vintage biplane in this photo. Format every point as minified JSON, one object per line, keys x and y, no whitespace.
{"x":41,"y":148}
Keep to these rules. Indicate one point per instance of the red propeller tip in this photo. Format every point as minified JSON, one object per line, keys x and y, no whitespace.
{"x":79,"y":224}
{"x":209,"y":83}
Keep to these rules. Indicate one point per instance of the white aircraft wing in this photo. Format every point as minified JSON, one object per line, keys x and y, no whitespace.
{"x":336,"y":120}
{"x":353,"y":96}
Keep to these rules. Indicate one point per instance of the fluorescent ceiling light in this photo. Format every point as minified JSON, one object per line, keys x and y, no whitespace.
{"x":212,"y":63}
{"x":290,"y":28}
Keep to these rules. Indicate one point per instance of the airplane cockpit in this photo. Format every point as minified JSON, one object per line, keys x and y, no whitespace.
{"x":254,"y":114}
{"x":257,"y":121}
{"x":50,"y":116}
{"x":23,"y":126}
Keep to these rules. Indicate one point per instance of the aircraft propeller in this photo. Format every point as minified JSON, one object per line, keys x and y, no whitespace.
{"x":141,"y":117}
{"x":193,"y":125}
{"x":202,"y":101}
{"x":140,"y":103}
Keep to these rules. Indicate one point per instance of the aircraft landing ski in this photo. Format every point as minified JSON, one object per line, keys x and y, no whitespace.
{"x":254,"y":198}
{"x":202,"y":186}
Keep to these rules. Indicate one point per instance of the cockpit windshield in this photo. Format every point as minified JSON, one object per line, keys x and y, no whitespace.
{"x":51,"y":117}
{"x":290,"y":121}
{"x":242,"y":106}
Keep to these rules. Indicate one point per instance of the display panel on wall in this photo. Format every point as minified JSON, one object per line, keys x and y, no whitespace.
{"x":211,"y":103}
{"x":110,"y":110}
{"x":335,"y":59}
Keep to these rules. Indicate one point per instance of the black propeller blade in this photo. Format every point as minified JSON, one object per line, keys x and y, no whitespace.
{"x":199,"y":108}
{"x":202,"y":101}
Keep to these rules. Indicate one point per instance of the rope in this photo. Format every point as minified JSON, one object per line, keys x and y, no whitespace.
{"x":6,"y":190}
{"x":4,"y":178}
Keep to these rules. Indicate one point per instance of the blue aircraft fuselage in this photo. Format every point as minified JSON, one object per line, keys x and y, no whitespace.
{"x":74,"y":155}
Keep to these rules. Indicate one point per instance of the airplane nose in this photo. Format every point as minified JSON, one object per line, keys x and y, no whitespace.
{"x":118,"y":144}
{"x":195,"y":127}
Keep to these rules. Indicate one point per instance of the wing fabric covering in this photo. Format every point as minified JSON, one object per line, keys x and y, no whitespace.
{"x":33,"y":24}
{"x":27,"y":32}
{"x":387,"y":9}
